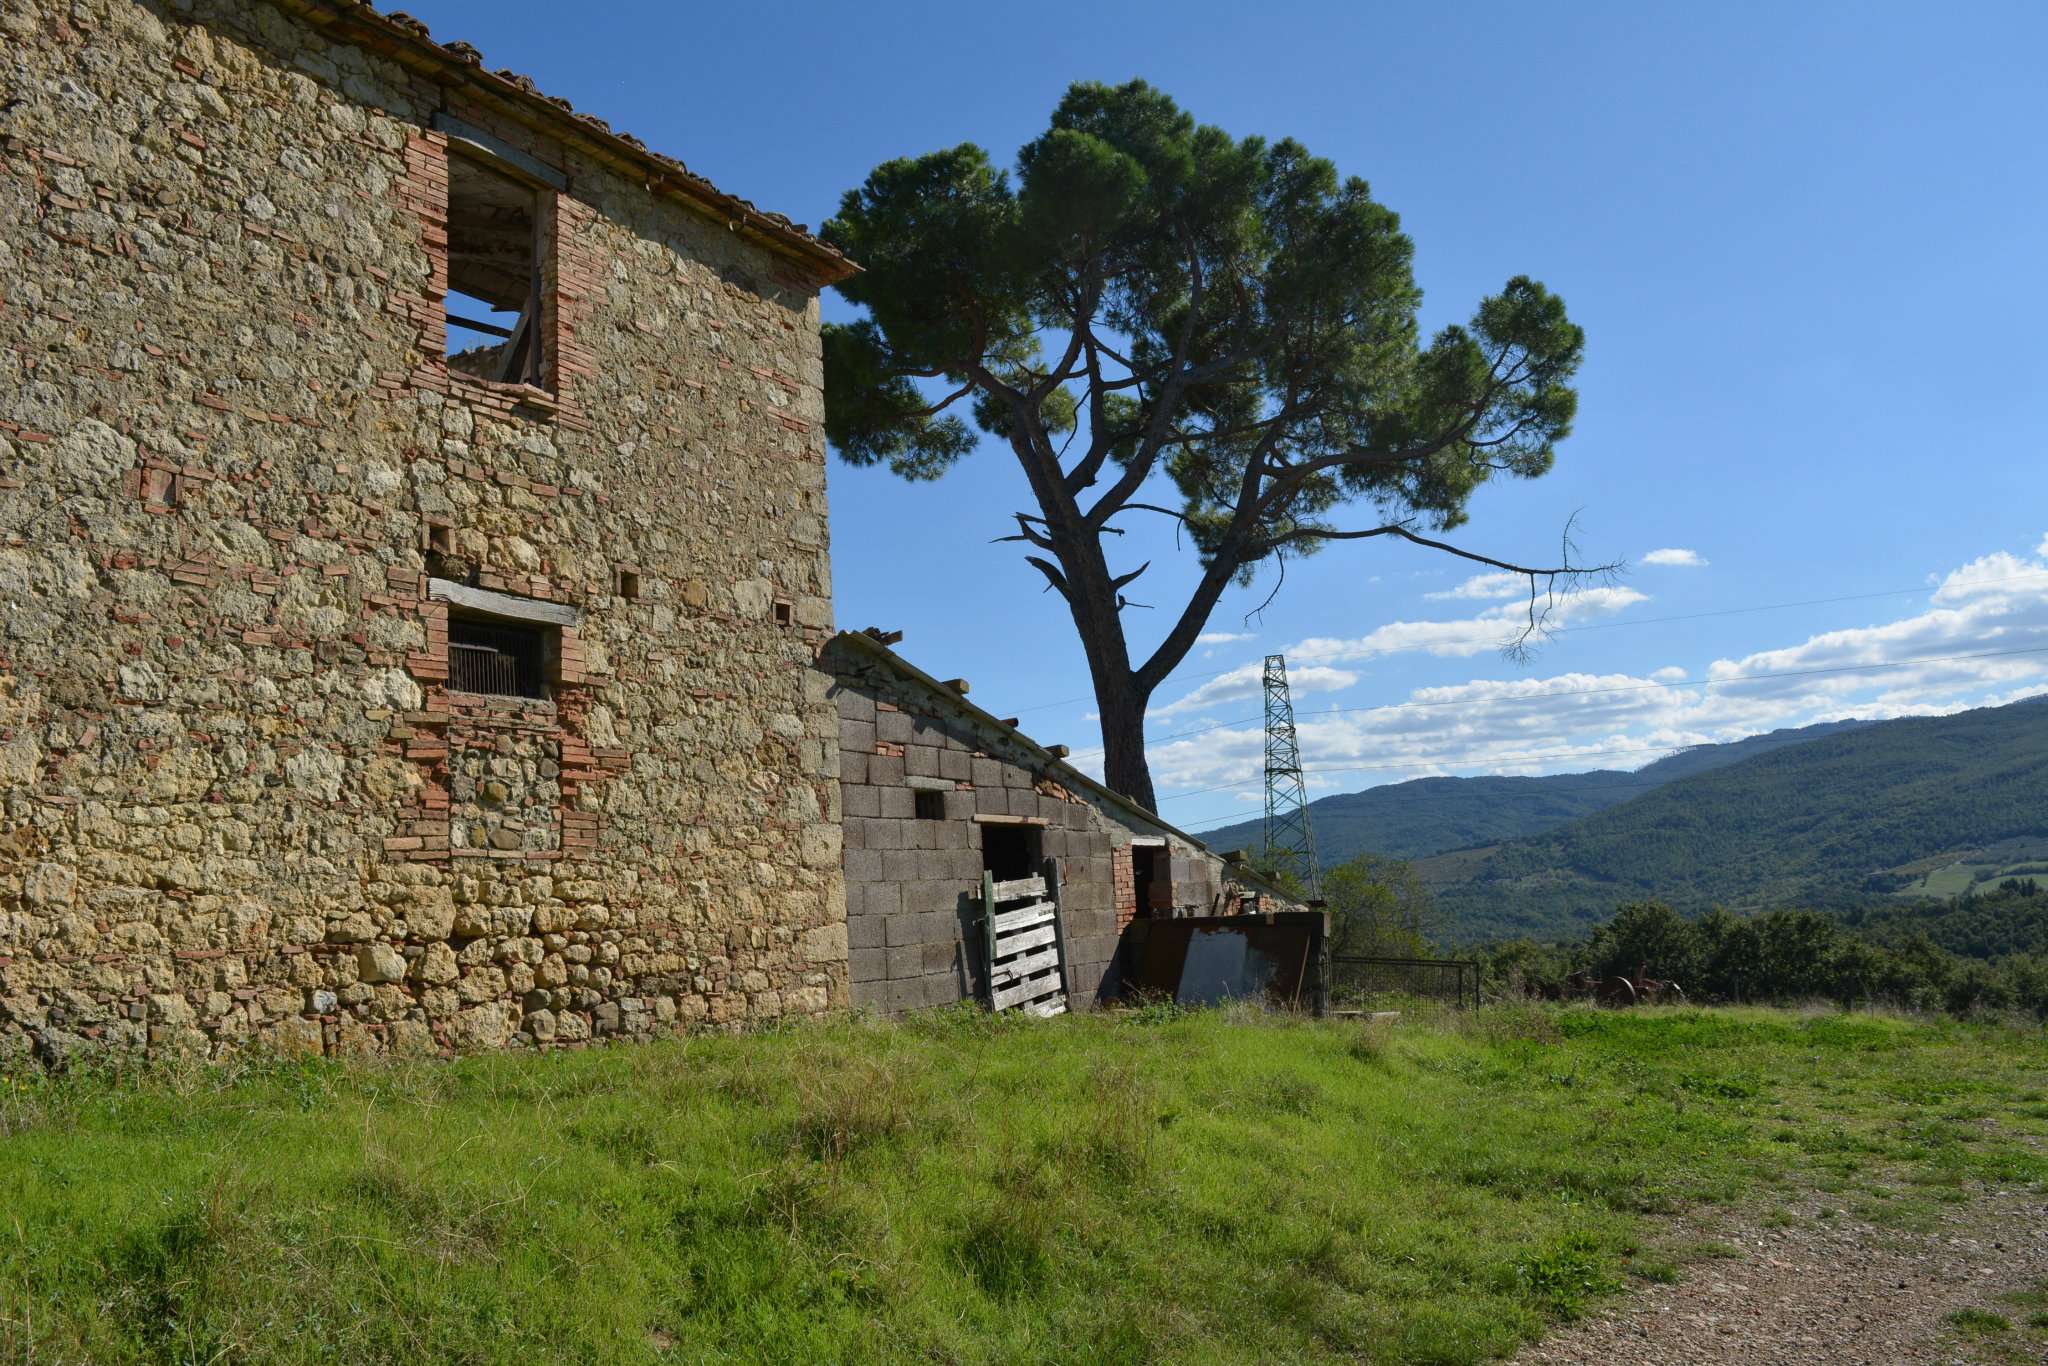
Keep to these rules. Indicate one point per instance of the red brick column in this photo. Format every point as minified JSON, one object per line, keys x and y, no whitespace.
{"x":1124,"y":882}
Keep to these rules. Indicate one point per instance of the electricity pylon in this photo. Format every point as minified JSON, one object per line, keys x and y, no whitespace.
{"x":1290,"y":840}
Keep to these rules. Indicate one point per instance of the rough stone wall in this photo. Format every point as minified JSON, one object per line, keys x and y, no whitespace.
{"x":504,"y":788}
{"x":237,"y":798}
{"x":912,"y":884}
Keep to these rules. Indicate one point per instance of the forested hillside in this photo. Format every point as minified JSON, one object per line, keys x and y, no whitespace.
{"x":1432,"y":815}
{"x":1833,"y":823}
{"x":2009,"y":917}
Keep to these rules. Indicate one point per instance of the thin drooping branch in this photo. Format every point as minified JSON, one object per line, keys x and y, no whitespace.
{"x":1567,"y":570}
{"x":1279,"y":581}
{"x":1544,"y":580}
{"x":1154,"y":507}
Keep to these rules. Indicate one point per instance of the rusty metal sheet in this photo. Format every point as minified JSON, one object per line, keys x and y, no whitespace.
{"x":1205,"y":960}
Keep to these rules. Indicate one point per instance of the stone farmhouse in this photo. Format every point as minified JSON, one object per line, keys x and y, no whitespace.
{"x":417,"y":609}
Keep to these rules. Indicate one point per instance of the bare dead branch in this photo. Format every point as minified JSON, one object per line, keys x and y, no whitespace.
{"x":1025,"y":532}
{"x":1055,"y":579}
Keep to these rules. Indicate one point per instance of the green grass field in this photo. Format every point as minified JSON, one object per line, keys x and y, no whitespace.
{"x":1125,"y":1187}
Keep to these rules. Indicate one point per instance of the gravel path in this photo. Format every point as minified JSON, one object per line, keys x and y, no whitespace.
{"x":1829,"y":1290}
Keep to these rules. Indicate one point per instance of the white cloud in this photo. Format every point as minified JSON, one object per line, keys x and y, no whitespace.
{"x":1486,"y":587}
{"x":1674,"y":557}
{"x":1994,"y":573}
{"x":1493,"y":629}
{"x":1992,"y":612}
{"x":1250,"y":681}
{"x":1216,"y":640}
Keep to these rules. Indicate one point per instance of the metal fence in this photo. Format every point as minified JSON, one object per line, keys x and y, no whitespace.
{"x":1365,"y":983}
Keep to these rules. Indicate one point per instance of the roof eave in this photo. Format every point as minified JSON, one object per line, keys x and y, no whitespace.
{"x":407,"y":40}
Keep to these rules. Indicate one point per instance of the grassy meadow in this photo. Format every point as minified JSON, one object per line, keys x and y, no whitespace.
{"x":1134,"y":1186}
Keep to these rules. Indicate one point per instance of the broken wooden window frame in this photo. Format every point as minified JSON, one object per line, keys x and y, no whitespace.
{"x":523,"y":357}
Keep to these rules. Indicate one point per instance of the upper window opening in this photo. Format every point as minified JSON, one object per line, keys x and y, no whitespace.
{"x":498,"y":658}
{"x":1009,"y":852}
{"x":494,"y":293}
{"x":931,"y":806}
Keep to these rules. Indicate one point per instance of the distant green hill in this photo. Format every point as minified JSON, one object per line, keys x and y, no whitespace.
{"x":1433,"y":815}
{"x":1990,"y":921}
{"x":1858,"y":817}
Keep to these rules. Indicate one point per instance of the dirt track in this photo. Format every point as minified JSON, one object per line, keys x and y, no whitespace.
{"x":1830,"y":1290}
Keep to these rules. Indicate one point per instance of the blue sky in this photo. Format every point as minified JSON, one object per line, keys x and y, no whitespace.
{"x":1806,"y":244}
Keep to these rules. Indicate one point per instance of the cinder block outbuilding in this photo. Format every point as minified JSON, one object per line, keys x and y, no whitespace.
{"x":934,"y":792}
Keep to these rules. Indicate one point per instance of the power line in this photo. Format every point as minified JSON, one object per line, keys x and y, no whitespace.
{"x":1782,"y":606}
{"x":1628,"y":688}
{"x":1090,"y":697}
{"x":1692,"y":682}
{"x":1218,"y":822}
{"x":1615,"y":626}
{"x":1548,"y":790}
{"x":1497,"y":758}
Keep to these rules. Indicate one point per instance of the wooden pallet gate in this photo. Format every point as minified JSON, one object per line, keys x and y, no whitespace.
{"x":1023,"y":943}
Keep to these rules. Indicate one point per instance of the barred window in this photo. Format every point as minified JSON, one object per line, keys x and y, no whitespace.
{"x":498,"y":658}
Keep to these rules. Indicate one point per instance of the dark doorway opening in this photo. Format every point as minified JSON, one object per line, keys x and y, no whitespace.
{"x":1151,"y":879}
{"x":1009,"y":852}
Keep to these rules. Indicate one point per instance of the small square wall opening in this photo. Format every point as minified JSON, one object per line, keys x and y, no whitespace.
{"x":500,"y":658}
{"x":161,"y":489}
{"x":627,"y":584}
{"x":931,"y":806}
{"x":783,"y":614}
{"x":440,"y":538}
{"x":494,"y":294}
{"x":1009,"y":852}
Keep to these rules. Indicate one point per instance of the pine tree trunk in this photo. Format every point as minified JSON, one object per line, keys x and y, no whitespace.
{"x":1124,"y":769}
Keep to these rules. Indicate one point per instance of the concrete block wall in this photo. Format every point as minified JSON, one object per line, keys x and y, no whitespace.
{"x":912,"y":884}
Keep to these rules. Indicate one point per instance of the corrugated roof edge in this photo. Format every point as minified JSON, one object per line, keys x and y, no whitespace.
{"x":399,"y":35}
{"x":1072,"y":776}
